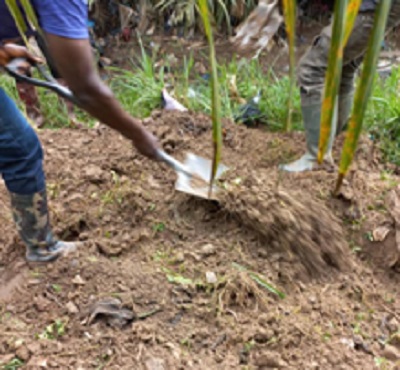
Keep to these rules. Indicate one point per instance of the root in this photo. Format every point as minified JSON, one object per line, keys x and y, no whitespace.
{"x":240,"y":290}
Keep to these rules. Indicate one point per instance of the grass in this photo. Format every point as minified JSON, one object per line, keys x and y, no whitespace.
{"x":139,"y":91}
{"x":14,"y":364}
{"x":53,"y":331}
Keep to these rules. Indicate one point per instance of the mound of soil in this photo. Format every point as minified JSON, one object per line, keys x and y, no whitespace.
{"x":291,"y":222}
{"x":278,"y":274}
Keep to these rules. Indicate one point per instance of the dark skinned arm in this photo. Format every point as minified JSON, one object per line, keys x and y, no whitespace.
{"x":75,"y":63}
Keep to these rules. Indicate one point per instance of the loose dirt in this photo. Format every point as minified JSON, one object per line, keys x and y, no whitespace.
{"x":278,"y":274}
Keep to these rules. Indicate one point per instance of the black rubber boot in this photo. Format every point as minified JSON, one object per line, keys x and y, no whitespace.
{"x":31,"y":217}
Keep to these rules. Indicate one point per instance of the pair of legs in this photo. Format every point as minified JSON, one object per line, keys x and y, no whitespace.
{"x":311,"y":77}
{"x":21,"y":166}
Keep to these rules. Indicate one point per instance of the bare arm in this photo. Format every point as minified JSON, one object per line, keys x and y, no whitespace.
{"x":74,"y":60}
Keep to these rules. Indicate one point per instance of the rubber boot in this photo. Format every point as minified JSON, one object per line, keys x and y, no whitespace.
{"x":312,"y":117}
{"x":345,"y":105}
{"x":31,"y":217}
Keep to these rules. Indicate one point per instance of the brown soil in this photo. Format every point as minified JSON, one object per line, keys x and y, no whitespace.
{"x":150,"y":248}
{"x":172,"y":50}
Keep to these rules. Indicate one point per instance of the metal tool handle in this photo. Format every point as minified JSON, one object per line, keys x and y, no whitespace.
{"x":173,"y":163}
{"x":12,"y":69}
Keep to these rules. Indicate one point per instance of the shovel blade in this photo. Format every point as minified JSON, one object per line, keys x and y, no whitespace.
{"x":202,"y":168}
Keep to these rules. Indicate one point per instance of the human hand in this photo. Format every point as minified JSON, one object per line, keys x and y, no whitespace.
{"x":8,"y":52}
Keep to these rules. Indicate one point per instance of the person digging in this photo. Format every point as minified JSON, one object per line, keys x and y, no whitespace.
{"x":21,"y":156}
{"x":312,"y":68}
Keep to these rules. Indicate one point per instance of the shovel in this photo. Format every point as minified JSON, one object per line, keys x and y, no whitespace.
{"x":193,"y":175}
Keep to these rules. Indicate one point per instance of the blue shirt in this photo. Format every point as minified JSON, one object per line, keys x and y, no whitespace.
{"x":65,"y":18}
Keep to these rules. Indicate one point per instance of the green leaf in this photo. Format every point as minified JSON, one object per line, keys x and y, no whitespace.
{"x":289,"y":10}
{"x":57,"y":288}
{"x":267,"y":286}
{"x":175,"y":278}
{"x":179,"y":279}
{"x":215,"y":98}
{"x":260,"y":280}
{"x":20,"y":21}
{"x":351,"y":15}
{"x":333,"y":77}
{"x":14,"y":364}
{"x":363,"y":91}
{"x":18,"y":18}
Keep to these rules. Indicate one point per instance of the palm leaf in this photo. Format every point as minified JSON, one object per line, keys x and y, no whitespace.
{"x":363,"y":91}
{"x":289,"y":10}
{"x":20,"y":21}
{"x":215,"y":98}
{"x":30,"y":14}
{"x":333,"y":75}
{"x":351,"y":14}
{"x":18,"y":18}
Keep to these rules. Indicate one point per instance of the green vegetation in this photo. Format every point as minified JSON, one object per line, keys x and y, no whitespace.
{"x":364,"y":90}
{"x":139,"y":90}
{"x":14,"y":364}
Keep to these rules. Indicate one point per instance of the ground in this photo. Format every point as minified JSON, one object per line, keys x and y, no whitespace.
{"x":277,"y":274}
{"x":157,"y":252}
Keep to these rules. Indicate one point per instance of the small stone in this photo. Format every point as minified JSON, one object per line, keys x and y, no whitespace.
{"x":380,"y":233}
{"x":36,"y":362}
{"x":267,"y":319}
{"x":263,"y":335}
{"x":71,"y":307}
{"x":34,"y":282}
{"x":391,"y":353}
{"x":93,"y":173}
{"x":271,"y":360}
{"x":42,"y":303}
{"x":393,"y":326}
{"x":77,"y":280}
{"x":211,"y":277}
{"x":395,"y":340}
{"x":358,"y":340}
{"x":306,"y":308}
{"x":263,"y":253}
{"x":207,"y":250}
{"x":312,"y":299}
{"x":23,"y":353}
{"x":179,"y":257}
{"x":74,"y":263}
{"x":154,"y":364}
{"x":10,"y":308}
{"x":34,"y":347}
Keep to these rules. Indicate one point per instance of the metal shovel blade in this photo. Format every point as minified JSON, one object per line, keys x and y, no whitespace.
{"x":202,"y":168}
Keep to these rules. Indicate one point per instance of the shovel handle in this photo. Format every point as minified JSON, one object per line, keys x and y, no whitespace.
{"x":173,"y":163}
{"x":12,"y":69}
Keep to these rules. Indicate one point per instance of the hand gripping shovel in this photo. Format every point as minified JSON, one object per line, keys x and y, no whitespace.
{"x":193,"y":176}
